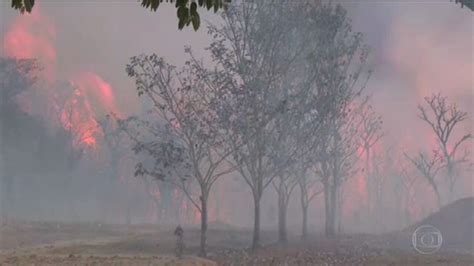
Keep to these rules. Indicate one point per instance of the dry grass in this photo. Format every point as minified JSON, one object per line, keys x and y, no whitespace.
{"x":44,"y":244}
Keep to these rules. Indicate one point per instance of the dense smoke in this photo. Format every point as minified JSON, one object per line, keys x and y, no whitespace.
{"x":81,"y":87}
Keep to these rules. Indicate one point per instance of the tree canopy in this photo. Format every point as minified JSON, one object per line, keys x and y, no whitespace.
{"x":468,"y":3}
{"x":187,"y":11}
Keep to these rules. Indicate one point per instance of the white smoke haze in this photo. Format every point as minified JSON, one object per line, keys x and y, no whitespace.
{"x":417,"y":49}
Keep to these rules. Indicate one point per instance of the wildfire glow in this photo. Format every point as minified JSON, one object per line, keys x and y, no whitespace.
{"x":33,"y":36}
{"x":97,"y":89}
{"x":78,"y":117}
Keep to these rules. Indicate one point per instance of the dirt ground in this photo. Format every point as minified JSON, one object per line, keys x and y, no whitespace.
{"x":96,"y":244}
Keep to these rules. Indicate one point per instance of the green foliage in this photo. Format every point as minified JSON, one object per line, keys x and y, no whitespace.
{"x":23,"y":5}
{"x":468,"y":3}
{"x":187,"y":10}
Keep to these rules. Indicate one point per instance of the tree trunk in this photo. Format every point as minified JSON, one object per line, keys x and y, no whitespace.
{"x":304,"y":199}
{"x":256,"y":224}
{"x":451,"y":192}
{"x":452,"y":183}
{"x":6,"y":197}
{"x":332,"y":231}
{"x":202,"y":251}
{"x":178,"y":200}
{"x":368,"y":180}
{"x":304,"y":231}
{"x":157,"y":205}
{"x":282,"y":208}
{"x":327,"y":208}
{"x":436,"y":191}
{"x":218,"y":205}
{"x":338,"y":218}
{"x":332,"y":213}
{"x":128,"y":214}
{"x":438,"y":197}
{"x":398,"y":206}
{"x":304,"y":208}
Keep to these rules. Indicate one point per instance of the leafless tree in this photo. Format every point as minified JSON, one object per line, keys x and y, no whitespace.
{"x":284,"y":185}
{"x":281,"y":150}
{"x":340,"y":81}
{"x":381,"y":171}
{"x":338,"y":165}
{"x":184,"y":142}
{"x":339,"y":134}
{"x":407,"y":181}
{"x":428,"y":166}
{"x":443,"y":118}
{"x":292,"y":147}
{"x":370,"y":134}
{"x":256,"y":50}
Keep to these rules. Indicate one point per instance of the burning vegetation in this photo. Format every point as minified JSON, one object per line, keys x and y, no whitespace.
{"x":271,"y":149}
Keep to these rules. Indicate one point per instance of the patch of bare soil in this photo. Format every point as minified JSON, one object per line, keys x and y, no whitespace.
{"x":86,"y":244}
{"x":17,"y":235}
{"x":150,"y":245}
{"x":347,"y":250}
{"x":34,"y":259}
{"x":273,"y":258}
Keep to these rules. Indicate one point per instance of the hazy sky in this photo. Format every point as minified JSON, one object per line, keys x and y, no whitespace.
{"x":418,"y":47}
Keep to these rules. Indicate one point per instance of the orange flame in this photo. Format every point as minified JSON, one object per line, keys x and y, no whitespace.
{"x":33,"y":36}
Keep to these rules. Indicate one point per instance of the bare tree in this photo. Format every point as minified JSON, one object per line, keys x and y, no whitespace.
{"x":275,"y":59}
{"x":338,"y":135}
{"x":115,"y":142}
{"x":306,"y":165}
{"x":309,"y":189}
{"x":428,"y":166}
{"x":292,"y":146}
{"x":255,"y":53}
{"x":339,"y":164}
{"x":315,"y":92}
{"x":284,"y":185}
{"x":381,"y":170}
{"x":443,"y":118}
{"x":184,"y":145}
{"x":404,"y":185}
{"x":284,"y":182}
{"x":112,"y":138}
{"x":370,"y":134}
